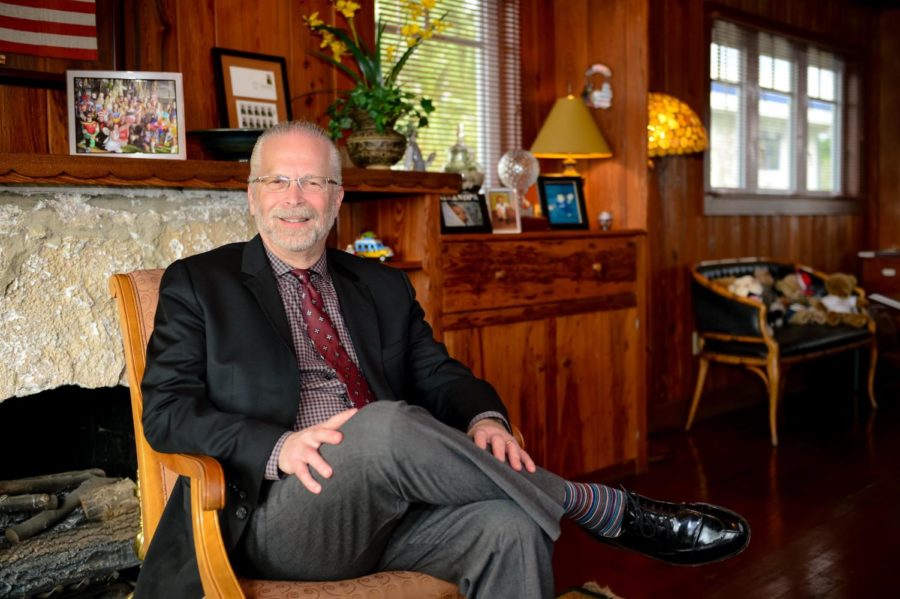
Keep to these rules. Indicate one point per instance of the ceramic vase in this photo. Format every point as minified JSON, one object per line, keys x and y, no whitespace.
{"x":370,"y":149}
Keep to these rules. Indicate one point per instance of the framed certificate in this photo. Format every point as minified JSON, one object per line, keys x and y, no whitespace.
{"x":253,"y":89}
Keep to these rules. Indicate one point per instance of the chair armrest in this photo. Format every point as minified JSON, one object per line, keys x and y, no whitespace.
{"x":207,"y":498}
{"x":206,"y":470}
{"x":718,"y":311}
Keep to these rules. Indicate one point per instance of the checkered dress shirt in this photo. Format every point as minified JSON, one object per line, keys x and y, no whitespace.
{"x":322,"y":394}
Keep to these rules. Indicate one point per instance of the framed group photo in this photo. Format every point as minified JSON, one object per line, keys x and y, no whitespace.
{"x":464,"y":213}
{"x":504,"y":211}
{"x":562,"y":202}
{"x":125,"y":113}
{"x":253,"y":89}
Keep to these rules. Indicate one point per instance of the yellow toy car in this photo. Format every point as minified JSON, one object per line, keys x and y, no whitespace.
{"x":369,"y":246}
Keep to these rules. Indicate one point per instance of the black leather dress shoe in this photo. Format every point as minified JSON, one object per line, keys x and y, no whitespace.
{"x":685,"y":534}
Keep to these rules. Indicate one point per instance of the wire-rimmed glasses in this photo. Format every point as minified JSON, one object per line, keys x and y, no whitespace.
{"x":306,"y":183}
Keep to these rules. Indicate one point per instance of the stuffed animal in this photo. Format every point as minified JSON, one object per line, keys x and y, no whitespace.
{"x":724,"y":282}
{"x":747,"y":286}
{"x":794,"y":304}
{"x":841,"y":305}
{"x":840,"y":296}
{"x":767,"y":281}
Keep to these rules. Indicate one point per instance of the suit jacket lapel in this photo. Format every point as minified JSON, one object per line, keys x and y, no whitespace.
{"x":358,"y":310}
{"x":260,"y":279}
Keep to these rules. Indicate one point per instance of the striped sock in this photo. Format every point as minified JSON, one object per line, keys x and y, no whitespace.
{"x":597,"y":508}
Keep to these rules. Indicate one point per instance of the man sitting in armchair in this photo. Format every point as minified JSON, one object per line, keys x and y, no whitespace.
{"x":351,"y":441}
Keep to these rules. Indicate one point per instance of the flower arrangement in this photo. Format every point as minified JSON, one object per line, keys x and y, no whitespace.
{"x":376,"y":92}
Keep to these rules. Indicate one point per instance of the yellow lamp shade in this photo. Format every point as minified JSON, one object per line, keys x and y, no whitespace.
{"x":570,"y":132}
{"x":672,"y":127}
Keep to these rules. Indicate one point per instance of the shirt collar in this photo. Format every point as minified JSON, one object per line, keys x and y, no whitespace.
{"x":281,"y":268}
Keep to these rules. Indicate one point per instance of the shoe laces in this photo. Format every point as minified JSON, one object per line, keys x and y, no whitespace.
{"x":646,"y":522}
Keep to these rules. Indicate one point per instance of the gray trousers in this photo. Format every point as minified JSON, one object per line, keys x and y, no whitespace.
{"x":409,"y":493}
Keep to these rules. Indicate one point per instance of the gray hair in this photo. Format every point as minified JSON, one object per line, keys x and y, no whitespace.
{"x":297,"y":128}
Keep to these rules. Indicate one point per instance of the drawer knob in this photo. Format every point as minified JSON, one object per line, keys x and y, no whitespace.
{"x":888,"y":272}
{"x":597,"y":267}
{"x":499,"y":275}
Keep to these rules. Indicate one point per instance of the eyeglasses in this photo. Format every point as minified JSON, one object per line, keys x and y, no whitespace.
{"x":307,"y":183}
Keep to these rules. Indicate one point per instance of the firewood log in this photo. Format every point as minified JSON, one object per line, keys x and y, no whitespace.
{"x":48,"y":483}
{"x":107,"y":501}
{"x":28,"y":503}
{"x":47,"y":518}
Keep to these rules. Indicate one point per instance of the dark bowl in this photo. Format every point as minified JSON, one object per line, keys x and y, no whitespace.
{"x":228,"y":144}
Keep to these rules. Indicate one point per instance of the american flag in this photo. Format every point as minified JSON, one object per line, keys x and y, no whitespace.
{"x":52,"y":28}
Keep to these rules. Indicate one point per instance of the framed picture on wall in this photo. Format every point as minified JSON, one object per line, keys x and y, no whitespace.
{"x":253,"y":89}
{"x":504,"y":211}
{"x":125,"y":113}
{"x":465,"y":212}
{"x":562,"y":202}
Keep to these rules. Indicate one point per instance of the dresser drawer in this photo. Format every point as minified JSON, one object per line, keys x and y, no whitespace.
{"x":500,"y":273}
{"x":881,"y":274}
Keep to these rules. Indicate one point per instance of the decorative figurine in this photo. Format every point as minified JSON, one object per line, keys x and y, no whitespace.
{"x":462,"y":162}
{"x":368,"y":245}
{"x":413,"y":160}
{"x":605,"y":219}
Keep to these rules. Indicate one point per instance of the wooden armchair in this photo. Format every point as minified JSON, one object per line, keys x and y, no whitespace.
{"x":735,"y":330}
{"x":136,"y":295}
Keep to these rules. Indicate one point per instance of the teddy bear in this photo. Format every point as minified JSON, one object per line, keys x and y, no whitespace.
{"x":793,"y":305}
{"x":746,"y":286}
{"x":840,"y":304}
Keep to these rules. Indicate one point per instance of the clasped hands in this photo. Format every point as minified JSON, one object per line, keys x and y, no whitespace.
{"x":300,"y":451}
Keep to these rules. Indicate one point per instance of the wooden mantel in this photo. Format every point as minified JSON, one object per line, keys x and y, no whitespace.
{"x":61,"y":169}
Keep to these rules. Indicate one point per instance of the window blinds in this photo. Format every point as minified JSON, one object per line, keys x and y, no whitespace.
{"x":470,"y":72}
{"x":778,"y":115}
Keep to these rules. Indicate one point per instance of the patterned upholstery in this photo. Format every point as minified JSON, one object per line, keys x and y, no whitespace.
{"x":136,"y":295}
{"x":389,"y":585}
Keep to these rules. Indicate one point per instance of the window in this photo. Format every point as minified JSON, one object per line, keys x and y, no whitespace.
{"x":778,"y":113}
{"x":471,"y":73}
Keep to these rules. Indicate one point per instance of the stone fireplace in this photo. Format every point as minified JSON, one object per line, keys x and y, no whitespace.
{"x":58,"y":324}
{"x":64,"y":401}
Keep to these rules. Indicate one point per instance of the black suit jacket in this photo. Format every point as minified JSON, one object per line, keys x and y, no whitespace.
{"x":221,"y":379}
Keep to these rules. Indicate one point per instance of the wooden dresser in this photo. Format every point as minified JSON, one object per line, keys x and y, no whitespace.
{"x":554,"y":321}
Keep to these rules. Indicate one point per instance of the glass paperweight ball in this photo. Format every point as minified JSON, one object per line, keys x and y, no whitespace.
{"x":518,"y":169}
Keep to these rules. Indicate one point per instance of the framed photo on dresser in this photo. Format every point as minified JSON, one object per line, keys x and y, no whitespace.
{"x":562,"y":202}
{"x":466,"y":212}
{"x":504,"y":211}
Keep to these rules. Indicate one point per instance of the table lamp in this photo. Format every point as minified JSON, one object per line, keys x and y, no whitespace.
{"x":569,"y":132}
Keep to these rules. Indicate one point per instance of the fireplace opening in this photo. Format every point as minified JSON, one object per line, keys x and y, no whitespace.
{"x":88,"y":550}
{"x":68,"y":428}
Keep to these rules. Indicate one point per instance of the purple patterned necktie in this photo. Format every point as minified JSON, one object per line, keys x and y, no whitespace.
{"x":323,"y":335}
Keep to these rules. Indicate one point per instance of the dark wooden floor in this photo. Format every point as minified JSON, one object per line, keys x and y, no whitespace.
{"x":824,"y":507}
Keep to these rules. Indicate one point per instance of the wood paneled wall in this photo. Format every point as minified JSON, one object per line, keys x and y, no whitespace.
{"x":560,"y":40}
{"x":680,"y":233}
{"x":886,"y":213}
{"x":178,"y":35}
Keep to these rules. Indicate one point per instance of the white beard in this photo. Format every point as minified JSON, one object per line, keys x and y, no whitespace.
{"x":302,"y":239}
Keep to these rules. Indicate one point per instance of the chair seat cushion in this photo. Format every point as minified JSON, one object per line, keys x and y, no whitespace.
{"x":794,"y":340}
{"x":389,"y":585}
